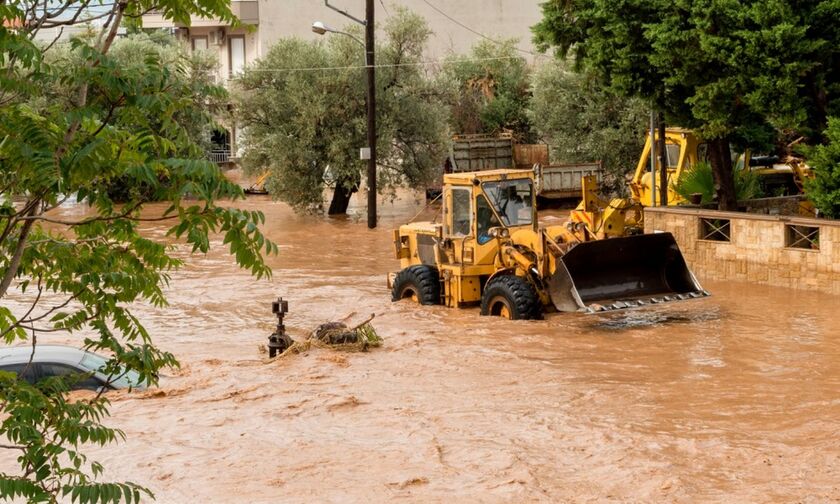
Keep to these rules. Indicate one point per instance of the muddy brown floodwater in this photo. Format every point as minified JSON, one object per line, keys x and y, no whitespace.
{"x":733,"y":398}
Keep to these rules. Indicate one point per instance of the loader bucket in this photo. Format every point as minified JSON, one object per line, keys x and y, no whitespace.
{"x":622,"y":273}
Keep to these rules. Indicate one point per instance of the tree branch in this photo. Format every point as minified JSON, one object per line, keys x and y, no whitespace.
{"x":14,"y":264}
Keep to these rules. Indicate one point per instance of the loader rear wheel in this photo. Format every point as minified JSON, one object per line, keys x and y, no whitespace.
{"x":511,"y":297}
{"x":420,"y":283}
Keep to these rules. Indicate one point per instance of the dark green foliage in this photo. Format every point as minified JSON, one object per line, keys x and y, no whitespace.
{"x":824,"y":189}
{"x":584,"y":122}
{"x":699,"y":179}
{"x":489,"y":91}
{"x":749,"y":72}
{"x":306,"y":126}
{"x":72,"y":123}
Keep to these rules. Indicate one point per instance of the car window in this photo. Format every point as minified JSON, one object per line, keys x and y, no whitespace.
{"x":49,"y":369}
{"x":124,"y":379}
{"x":29,"y":377}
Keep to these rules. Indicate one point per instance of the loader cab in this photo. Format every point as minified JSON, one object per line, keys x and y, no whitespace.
{"x":682,"y":151}
{"x":477,"y":202}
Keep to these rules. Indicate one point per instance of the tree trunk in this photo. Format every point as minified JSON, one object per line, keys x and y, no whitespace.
{"x":721,"y":160}
{"x":341,"y":198}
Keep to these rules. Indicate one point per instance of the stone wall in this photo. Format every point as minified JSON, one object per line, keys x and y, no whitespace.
{"x":758,"y":250}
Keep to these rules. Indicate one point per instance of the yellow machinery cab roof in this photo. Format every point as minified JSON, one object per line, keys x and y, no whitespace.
{"x":466,"y":178}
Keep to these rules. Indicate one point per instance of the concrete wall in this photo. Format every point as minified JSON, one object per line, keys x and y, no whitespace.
{"x":757,"y":251}
{"x":498,"y":19}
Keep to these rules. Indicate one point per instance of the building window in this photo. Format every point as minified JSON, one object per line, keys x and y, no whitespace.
{"x":715,"y":229}
{"x":802,"y":237}
{"x":199,"y":43}
{"x":236,"y":54}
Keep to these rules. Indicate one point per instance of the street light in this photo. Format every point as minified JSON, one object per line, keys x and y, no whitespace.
{"x":321,"y":29}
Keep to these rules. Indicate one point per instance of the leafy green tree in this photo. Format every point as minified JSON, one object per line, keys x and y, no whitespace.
{"x":69,"y":128}
{"x":489,"y":90}
{"x":583,"y":122}
{"x":824,"y":189}
{"x":303,"y":108}
{"x":736,"y":72}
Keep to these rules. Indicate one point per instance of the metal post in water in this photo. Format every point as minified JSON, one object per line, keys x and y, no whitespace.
{"x":279,"y":341}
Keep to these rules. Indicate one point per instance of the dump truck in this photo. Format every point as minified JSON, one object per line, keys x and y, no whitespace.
{"x":489,"y":250}
{"x":558,"y":181}
{"x":479,"y":152}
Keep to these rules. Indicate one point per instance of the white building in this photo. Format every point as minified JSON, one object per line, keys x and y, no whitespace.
{"x":457,"y":26}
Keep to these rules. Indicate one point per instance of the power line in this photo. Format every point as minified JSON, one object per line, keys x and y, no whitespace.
{"x":384,"y":65}
{"x":485,"y":37}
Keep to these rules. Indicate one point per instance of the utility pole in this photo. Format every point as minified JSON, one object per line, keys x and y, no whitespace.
{"x":370,"y":61}
{"x":370,"y":68}
{"x":663,"y":163}
{"x":652,"y":158}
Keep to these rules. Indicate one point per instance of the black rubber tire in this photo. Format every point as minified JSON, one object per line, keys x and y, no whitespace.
{"x":516,"y":293}
{"x":421,"y":281}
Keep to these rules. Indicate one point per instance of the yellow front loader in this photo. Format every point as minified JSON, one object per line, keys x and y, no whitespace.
{"x":488,"y":249}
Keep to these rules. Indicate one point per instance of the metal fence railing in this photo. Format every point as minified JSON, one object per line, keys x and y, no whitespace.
{"x":220,"y":156}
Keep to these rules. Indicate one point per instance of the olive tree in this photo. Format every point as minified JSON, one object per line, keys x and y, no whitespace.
{"x":303,"y":109}
{"x":489,"y":90}
{"x":71,"y":125}
{"x":582,"y":121}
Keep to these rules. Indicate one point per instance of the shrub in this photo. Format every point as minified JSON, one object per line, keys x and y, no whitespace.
{"x":699,"y":179}
{"x":824,"y":189}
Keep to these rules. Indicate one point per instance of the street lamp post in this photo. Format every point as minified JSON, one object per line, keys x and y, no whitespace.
{"x":320,"y":28}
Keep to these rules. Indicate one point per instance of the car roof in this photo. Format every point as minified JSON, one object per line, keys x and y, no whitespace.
{"x":43,"y":353}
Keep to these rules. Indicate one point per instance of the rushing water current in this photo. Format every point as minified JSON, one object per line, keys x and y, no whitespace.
{"x":732,"y":398}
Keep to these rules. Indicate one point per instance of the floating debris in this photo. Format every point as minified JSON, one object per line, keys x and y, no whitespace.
{"x":339,"y":336}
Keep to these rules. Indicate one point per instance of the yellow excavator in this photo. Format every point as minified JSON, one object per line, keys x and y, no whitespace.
{"x":608,"y":218}
{"x":258,"y":187}
{"x":488,"y":249}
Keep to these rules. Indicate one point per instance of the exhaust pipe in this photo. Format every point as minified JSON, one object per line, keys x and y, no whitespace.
{"x":622,"y":273}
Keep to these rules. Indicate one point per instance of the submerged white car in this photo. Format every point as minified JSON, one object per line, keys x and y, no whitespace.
{"x":59,"y":360}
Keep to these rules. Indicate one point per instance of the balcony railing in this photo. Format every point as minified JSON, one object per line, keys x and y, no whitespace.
{"x":220,"y":156}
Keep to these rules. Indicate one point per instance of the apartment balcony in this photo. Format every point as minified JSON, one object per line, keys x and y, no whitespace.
{"x":248,"y":13}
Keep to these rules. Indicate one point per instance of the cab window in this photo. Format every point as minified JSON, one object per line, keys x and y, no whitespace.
{"x":513,"y":200}
{"x":485,"y":219}
{"x":461,"y":212}
{"x":673,"y":153}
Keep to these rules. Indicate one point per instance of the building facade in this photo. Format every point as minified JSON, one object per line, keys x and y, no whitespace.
{"x":456,"y":27}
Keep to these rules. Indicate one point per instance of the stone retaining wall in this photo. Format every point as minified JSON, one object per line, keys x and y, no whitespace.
{"x":759,"y":247}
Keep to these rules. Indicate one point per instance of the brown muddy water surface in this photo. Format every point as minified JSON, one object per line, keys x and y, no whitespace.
{"x":732,"y":398}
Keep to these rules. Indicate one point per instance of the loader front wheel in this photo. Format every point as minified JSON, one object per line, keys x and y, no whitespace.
{"x":420,"y":283}
{"x":511,"y":297}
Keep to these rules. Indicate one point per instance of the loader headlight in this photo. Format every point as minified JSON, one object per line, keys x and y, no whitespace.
{"x":499,"y":232}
